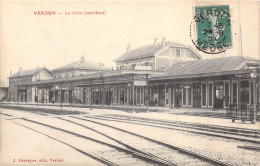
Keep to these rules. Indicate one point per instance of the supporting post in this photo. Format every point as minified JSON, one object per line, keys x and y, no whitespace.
{"x":214,"y":95}
{"x":91,"y":94}
{"x":229,"y":98}
{"x":60,"y":95}
{"x":171,"y":87}
{"x":133,"y":92}
{"x":158,"y":95}
{"x":139,"y":96}
{"x":37,"y":97}
{"x":71,"y":99}
{"x":35,"y":94}
{"x":133,"y":97}
{"x":103,"y":93}
{"x":9,"y":91}
{"x":26,"y":96}
{"x":239,"y":97}
{"x":147,"y":93}
{"x":18,"y":89}
{"x":46,"y":96}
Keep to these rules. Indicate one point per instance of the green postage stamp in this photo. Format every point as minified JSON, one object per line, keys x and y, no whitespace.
{"x":213,"y":29}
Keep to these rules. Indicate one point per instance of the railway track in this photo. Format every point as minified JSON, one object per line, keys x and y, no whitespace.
{"x":106,"y":153}
{"x":169,"y":152}
{"x":113,"y":146}
{"x":217,"y":128}
{"x":245,"y":135}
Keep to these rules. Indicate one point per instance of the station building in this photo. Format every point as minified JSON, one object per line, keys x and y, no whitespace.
{"x":161,"y":74}
{"x":22,"y":93}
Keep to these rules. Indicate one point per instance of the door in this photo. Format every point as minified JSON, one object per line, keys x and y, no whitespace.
{"x":244,"y":93}
{"x":197,"y":95}
{"x":161,"y":95}
{"x":226,"y":95}
{"x":122,"y":95}
{"x":84,"y":96}
{"x":178,"y":96}
{"x":219,"y":95}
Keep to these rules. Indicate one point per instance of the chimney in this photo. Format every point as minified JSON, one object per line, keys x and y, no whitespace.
{"x":155,"y":42}
{"x":82,"y":58}
{"x":11,"y":73}
{"x":20,"y":71}
{"x":128,"y":48}
{"x":163,"y":41}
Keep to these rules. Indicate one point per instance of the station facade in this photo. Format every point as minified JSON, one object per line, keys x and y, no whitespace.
{"x":26,"y":76}
{"x":162,"y":74}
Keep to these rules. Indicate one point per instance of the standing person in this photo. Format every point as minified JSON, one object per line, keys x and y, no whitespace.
{"x":52,"y":100}
{"x":226,"y":99}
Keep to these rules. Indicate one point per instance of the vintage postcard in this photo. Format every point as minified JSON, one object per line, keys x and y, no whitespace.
{"x":129,"y":83}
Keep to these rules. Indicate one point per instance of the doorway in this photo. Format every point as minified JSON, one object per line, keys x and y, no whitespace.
{"x":219,"y":95}
{"x":161,"y":95}
{"x":197,"y":95}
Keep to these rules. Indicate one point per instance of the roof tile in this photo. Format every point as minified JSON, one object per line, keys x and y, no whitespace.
{"x":206,"y":65}
{"x":146,"y":51}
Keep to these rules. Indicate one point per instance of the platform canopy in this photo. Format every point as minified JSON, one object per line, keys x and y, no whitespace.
{"x":104,"y":77}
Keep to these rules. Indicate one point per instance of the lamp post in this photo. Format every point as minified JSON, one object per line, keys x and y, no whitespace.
{"x":253,"y":75}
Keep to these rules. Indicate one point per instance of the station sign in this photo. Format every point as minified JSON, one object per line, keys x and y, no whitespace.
{"x":140,"y":83}
{"x":186,"y":86}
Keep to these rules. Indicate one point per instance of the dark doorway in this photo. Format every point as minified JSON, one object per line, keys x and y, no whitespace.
{"x":219,"y":95}
{"x":197,"y":95}
{"x":56,"y":96}
{"x":70,"y":96}
{"x":178,"y":96}
{"x":244,"y":93}
{"x":84,"y":96}
{"x":122,"y":95}
{"x":161,"y":95}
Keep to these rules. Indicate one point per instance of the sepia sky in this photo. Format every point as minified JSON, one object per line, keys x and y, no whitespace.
{"x":28,"y":40}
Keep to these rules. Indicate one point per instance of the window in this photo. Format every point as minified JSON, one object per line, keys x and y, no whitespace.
{"x":204,"y":92}
{"x":166,"y":95}
{"x":133,"y":66}
{"x":184,"y":96}
{"x":178,"y":53}
{"x":189,"y":96}
{"x":226,"y":99}
{"x":146,"y":63}
{"x":210,"y":94}
{"x":234,"y":93}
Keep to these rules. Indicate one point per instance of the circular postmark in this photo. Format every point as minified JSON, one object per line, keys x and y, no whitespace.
{"x":210,"y":29}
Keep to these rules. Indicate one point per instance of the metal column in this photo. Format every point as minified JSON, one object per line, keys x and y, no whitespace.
{"x":171,"y":87}
{"x":26,"y":95}
{"x":46,"y":96}
{"x":133,"y":97}
{"x":60,"y":95}
{"x":35,"y":93}
{"x":71,"y":99}
{"x":91,"y":95}
{"x":239,"y":93}
{"x":37,"y":97}
{"x":103,"y":93}
{"x":147,"y":93}
{"x":158,"y":95}
{"x":18,"y":94}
